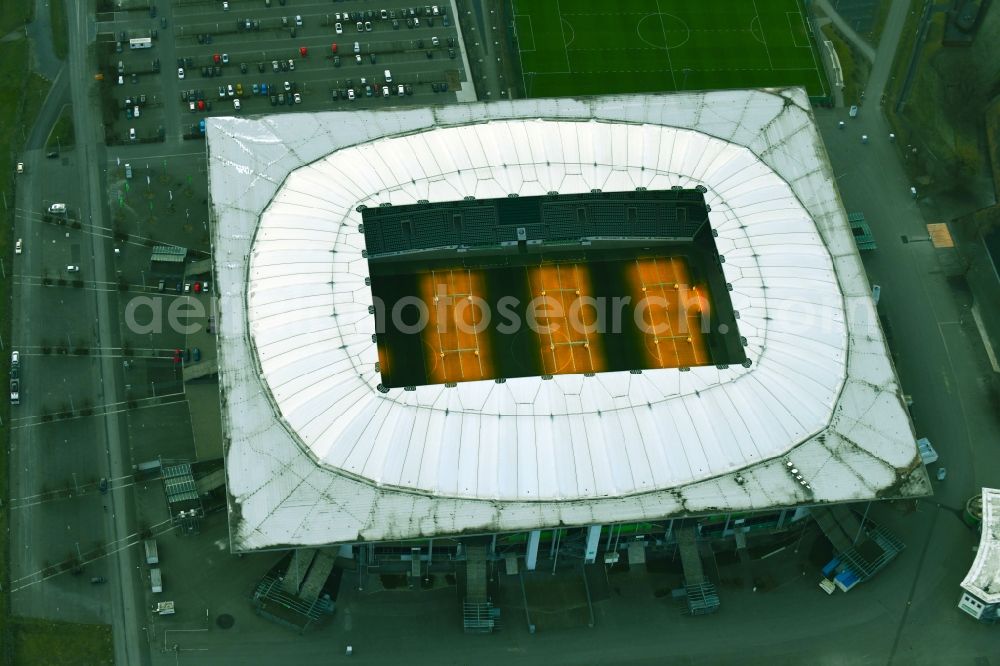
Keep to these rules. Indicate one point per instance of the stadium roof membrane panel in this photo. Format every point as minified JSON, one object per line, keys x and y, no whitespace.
{"x":317,"y":454}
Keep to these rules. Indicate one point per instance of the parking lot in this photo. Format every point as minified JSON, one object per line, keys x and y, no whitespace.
{"x":184,"y":62}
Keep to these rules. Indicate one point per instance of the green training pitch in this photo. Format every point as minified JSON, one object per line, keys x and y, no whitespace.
{"x":590,"y":47}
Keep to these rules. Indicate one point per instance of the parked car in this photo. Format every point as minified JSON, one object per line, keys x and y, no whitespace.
{"x":180,"y":74}
{"x":18,"y":246}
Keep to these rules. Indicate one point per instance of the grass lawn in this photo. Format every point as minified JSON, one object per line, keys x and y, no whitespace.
{"x":588,"y":47}
{"x":14,"y":14}
{"x":58,"y":643}
{"x":60,"y":28}
{"x":62,"y":134}
{"x":853,"y":64}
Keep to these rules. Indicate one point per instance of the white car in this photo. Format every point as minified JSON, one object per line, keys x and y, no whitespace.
{"x":357,"y":59}
{"x":180,"y":74}
{"x":368,"y":26}
{"x":225,"y":6}
{"x":135,"y":112}
{"x":401,"y":90}
{"x":288,"y":86}
{"x":72,"y":269}
{"x":57,"y":208}
{"x":17,"y":250}
{"x":291,"y":65}
{"x":385,"y":91}
{"x":339,"y":28}
{"x":298,"y":20}
{"x":121,"y":79}
{"x":131,"y":134}
{"x":298,"y":98}
{"x":236,"y":104}
{"x":350,"y":93}
{"x":20,"y":167}
{"x":435,"y":41}
{"x":230,"y":91}
{"x":225,"y":58}
{"x":191,"y":107}
{"x":15,"y":357}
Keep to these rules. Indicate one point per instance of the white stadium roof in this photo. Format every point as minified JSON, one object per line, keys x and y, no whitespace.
{"x":317,"y":455}
{"x":983,"y":579}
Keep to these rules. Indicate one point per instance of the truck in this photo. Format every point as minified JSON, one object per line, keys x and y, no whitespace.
{"x":156,"y":580}
{"x":164,"y":608}
{"x":152,"y":556}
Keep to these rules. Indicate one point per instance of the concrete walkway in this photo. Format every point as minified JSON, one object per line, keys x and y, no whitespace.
{"x":43,"y":55}
{"x":891,"y":34}
{"x":866,"y":49}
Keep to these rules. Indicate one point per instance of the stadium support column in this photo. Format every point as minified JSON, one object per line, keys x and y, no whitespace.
{"x":593,"y":537}
{"x":531,"y":554}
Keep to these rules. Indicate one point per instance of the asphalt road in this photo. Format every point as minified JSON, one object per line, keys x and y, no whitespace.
{"x":90,"y":151}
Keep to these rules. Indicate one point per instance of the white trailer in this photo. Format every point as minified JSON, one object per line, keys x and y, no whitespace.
{"x":156,"y":580}
{"x":152,"y":554}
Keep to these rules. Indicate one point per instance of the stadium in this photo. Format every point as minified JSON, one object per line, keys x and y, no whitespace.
{"x":773,"y":392}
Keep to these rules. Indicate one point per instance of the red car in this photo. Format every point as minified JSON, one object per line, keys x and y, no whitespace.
{"x":201,"y":105}
{"x":217,"y":58}
{"x":333,"y":47}
{"x":196,"y":287}
{"x":303,"y":51}
{"x":177,"y":356}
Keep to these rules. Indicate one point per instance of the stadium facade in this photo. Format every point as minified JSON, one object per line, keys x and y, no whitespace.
{"x":320,"y":452}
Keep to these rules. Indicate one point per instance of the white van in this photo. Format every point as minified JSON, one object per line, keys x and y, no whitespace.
{"x":388,"y":76}
{"x":57,"y":208}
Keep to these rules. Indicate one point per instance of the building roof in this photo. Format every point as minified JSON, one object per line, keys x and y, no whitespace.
{"x":317,"y":454}
{"x":983,"y":579}
{"x":672,"y":214}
